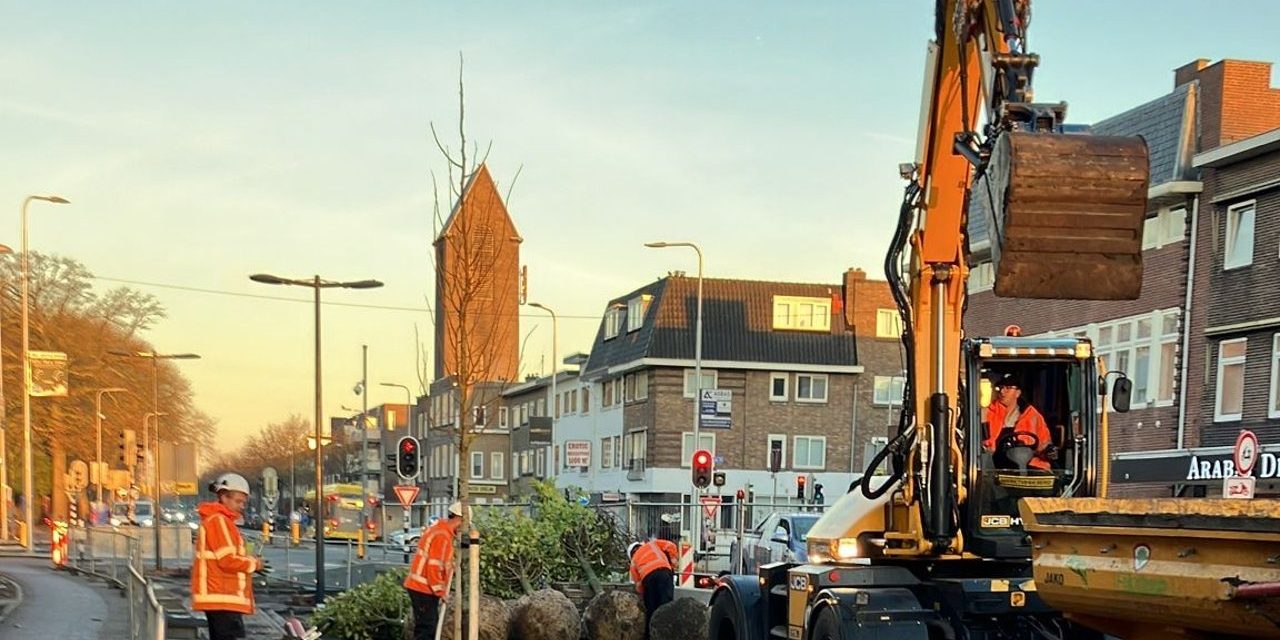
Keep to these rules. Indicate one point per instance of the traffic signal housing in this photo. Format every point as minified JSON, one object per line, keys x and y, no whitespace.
{"x":702,"y":470}
{"x":800,"y":480}
{"x":407,"y":457}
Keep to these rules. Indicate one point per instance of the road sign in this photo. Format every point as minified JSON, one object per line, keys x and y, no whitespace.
{"x":1238,"y":487}
{"x":710,"y":505}
{"x":407,"y":494}
{"x":78,"y":476}
{"x":584,"y":501}
{"x":46,"y":374}
{"x":1246,"y":453}
{"x":715,"y":409}
{"x":185,"y":488}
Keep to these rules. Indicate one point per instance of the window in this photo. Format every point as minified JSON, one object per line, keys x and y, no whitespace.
{"x":888,"y":323}
{"x":1239,"y":247}
{"x":619,"y":387}
{"x":477,"y":465}
{"x":779,"y":442}
{"x":1230,"y":393}
{"x":1273,"y":404}
{"x":811,"y":387}
{"x":778,"y":387}
{"x":629,"y":383}
{"x":606,"y":394}
{"x":573,"y":401}
{"x":481,"y":416}
{"x":872,"y":448}
{"x":612,"y":322}
{"x":642,"y":385}
{"x":617,"y":451}
{"x":503,"y":417}
{"x":982,"y":277}
{"x":1168,"y":357}
{"x":801,"y":313}
{"x":888,"y":390}
{"x":1144,"y":347}
{"x":524,"y":413}
{"x":634,"y":448}
{"x":541,"y":409}
{"x":496,"y":465}
{"x":810,"y":452}
{"x":542,"y":462}
{"x":709,"y":380}
{"x":636,"y":308}
{"x":606,"y":453}
{"x":707,"y":441}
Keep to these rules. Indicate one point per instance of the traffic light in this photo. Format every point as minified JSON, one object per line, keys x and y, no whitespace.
{"x":407,"y":460}
{"x":718,"y":478}
{"x":800,"y":487}
{"x":702,"y":468}
{"x":128,"y":448}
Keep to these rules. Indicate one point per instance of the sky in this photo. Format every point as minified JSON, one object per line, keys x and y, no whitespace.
{"x":203,"y":142}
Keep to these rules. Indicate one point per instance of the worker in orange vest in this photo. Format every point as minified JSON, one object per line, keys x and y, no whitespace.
{"x":222,"y":573}
{"x":1012,"y":416}
{"x":652,"y":569}
{"x":430,"y":573}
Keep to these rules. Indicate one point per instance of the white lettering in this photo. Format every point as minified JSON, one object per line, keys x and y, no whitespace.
{"x":1205,"y":470}
{"x":1269,"y":466}
{"x":1218,"y":470}
{"x":1230,"y":467}
{"x":1194,"y":472}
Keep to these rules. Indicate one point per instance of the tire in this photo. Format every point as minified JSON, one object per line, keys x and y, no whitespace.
{"x":722,"y":620}
{"x":826,"y":625}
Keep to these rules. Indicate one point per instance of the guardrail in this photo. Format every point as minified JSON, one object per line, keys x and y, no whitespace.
{"x":117,"y":557}
{"x":341,"y":556}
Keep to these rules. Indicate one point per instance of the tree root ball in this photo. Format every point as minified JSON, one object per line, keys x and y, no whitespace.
{"x":680,"y":619}
{"x":614,"y":615}
{"x":545,"y":615}
{"x":495,"y":621}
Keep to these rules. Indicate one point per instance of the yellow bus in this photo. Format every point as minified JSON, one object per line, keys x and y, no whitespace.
{"x":342,"y":512}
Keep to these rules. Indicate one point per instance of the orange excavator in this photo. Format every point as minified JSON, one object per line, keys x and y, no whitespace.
{"x":982,"y":531}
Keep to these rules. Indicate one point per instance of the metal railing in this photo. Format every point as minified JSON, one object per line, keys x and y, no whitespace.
{"x":117,"y":557}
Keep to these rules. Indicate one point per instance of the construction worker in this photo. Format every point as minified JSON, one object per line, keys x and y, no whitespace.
{"x":652,"y":570}
{"x":431,"y":571}
{"x":222,"y":573}
{"x":1011,"y":415}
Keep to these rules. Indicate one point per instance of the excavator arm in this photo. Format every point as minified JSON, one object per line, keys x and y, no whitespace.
{"x":1066,"y":215}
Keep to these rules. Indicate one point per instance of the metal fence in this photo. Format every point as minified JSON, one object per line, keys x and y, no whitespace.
{"x":117,"y":557}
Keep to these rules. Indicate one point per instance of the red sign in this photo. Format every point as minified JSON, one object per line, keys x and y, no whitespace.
{"x":1246,"y":453}
{"x":407,"y":494}
{"x":710,"y":504}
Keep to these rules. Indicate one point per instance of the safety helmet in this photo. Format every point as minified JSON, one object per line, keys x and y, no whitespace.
{"x":455,"y":510}
{"x":631,"y":548}
{"x":230,"y":482}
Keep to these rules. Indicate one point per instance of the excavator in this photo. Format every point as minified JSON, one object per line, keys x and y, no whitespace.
{"x":982,"y":531}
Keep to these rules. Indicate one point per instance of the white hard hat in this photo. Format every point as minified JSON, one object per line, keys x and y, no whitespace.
{"x":455,"y":509}
{"x":631,"y":548}
{"x":230,"y":482}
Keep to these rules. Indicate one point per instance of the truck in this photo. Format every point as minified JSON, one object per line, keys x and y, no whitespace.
{"x":781,"y":537}
{"x":991,"y":527}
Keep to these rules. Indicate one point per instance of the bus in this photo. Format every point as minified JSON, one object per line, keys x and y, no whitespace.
{"x":343,"y":504}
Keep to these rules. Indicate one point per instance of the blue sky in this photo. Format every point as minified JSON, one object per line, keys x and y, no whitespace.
{"x":200,"y":143}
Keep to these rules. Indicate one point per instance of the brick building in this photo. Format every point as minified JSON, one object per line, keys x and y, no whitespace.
{"x":1149,"y":338}
{"x":485,"y":463}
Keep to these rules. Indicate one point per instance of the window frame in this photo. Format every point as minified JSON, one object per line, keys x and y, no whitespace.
{"x":826,"y":388}
{"x":497,"y":465}
{"x":606,"y":452}
{"x":642,"y":385}
{"x":817,"y":320}
{"x":1228,"y":245}
{"x":477,"y":455}
{"x":686,"y":438}
{"x":689,"y":375}
{"x":613,"y":322}
{"x":1242,"y":361}
{"x":504,"y":417}
{"x":892,"y":399}
{"x":786,"y":386}
{"x":1273,"y":398}
{"x":894,"y":327}
{"x":768,"y":449}
{"x":795,"y":449}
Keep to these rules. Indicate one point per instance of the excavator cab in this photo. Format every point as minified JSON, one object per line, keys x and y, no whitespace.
{"x":1042,"y":396}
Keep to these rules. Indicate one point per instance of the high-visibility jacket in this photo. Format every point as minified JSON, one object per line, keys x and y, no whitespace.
{"x":222,"y":573}
{"x":652,"y":556}
{"x":1030,"y":421}
{"x":432,"y":564}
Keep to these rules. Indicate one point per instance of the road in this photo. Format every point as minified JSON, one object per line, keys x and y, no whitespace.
{"x":56,"y":604}
{"x":298,"y":564}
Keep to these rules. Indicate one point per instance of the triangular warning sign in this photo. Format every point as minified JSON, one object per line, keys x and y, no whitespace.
{"x":407,"y":494}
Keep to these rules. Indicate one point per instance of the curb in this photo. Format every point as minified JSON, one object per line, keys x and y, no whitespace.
{"x":7,"y":606}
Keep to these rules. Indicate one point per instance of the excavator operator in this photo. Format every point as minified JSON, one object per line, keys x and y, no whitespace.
{"x":1012,"y":422}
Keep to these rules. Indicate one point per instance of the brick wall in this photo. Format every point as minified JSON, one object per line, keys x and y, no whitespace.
{"x":1237,"y":100}
{"x":879,"y":356}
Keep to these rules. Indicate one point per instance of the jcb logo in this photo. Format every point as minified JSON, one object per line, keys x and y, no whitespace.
{"x":1000,"y":522}
{"x":799,"y":583}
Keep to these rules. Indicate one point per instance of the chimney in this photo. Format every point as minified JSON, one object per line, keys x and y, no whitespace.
{"x":1188,"y":72}
{"x":852,"y":278}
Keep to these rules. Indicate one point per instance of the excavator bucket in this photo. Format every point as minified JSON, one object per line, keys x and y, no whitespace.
{"x":1068,"y":211}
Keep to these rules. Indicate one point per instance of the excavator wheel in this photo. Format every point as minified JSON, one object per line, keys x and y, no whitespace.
{"x":1069,"y":211}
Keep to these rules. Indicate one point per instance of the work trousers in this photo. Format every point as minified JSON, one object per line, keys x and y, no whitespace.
{"x":225,"y":625}
{"x":659,"y":589}
{"x":426,"y":615}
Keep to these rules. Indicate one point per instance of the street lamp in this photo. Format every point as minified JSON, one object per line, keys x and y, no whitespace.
{"x":555,"y":399}
{"x":155,"y":359}
{"x":97,"y":419}
{"x":697,"y":374}
{"x":317,"y":284}
{"x":28,"y":484}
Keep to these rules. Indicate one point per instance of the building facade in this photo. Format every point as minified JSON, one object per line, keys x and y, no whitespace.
{"x":489,"y":444}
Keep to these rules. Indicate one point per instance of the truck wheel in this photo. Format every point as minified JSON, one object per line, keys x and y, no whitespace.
{"x":721,"y":619}
{"x":827,"y":625}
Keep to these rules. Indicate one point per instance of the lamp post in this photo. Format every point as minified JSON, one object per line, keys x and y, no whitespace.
{"x":362,"y":388}
{"x":97,"y":419}
{"x":317,"y":284}
{"x":555,"y":399}
{"x":697,"y":374}
{"x":155,"y":359}
{"x":4,"y":449}
{"x":28,"y":483}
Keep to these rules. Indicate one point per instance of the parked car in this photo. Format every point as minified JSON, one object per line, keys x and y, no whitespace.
{"x":785,"y":542}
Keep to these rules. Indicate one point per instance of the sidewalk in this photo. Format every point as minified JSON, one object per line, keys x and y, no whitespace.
{"x":57,"y":604}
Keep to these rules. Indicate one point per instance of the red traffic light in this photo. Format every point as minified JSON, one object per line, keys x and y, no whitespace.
{"x":408,"y":445}
{"x":702,"y":468}
{"x":702,"y":457}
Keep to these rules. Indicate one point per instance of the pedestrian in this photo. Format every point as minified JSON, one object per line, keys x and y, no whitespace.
{"x":431,"y":572}
{"x":652,"y":570}
{"x":222,"y":572}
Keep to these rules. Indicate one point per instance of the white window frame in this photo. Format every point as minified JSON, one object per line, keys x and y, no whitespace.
{"x":612,"y":322}
{"x":617,"y":452}
{"x":637,"y":307}
{"x":504,"y":417}
{"x":787,"y":313}
{"x":786,"y":387}
{"x":1273,"y":399}
{"x":890,"y":398}
{"x":540,"y":461}
{"x":477,"y":456}
{"x":642,"y":385}
{"x":686,"y":439}
{"x":629,"y":442}
{"x":826,"y":387}
{"x":1110,"y":350}
{"x":768,"y":448}
{"x":981,"y":278}
{"x":795,"y":448}
{"x":497,"y":465}
{"x":606,"y":452}
{"x":1227,"y":241}
{"x":1218,"y":415}
{"x":888,"y":323}
{"x":690,"y":391}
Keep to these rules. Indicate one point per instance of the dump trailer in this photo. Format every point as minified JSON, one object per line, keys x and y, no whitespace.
{"x":1163,"y":568}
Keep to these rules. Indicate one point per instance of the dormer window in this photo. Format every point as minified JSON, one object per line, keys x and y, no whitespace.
{"x":797,"y":313}
{"x":637,"y":307}
{"x":613,"y":322}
